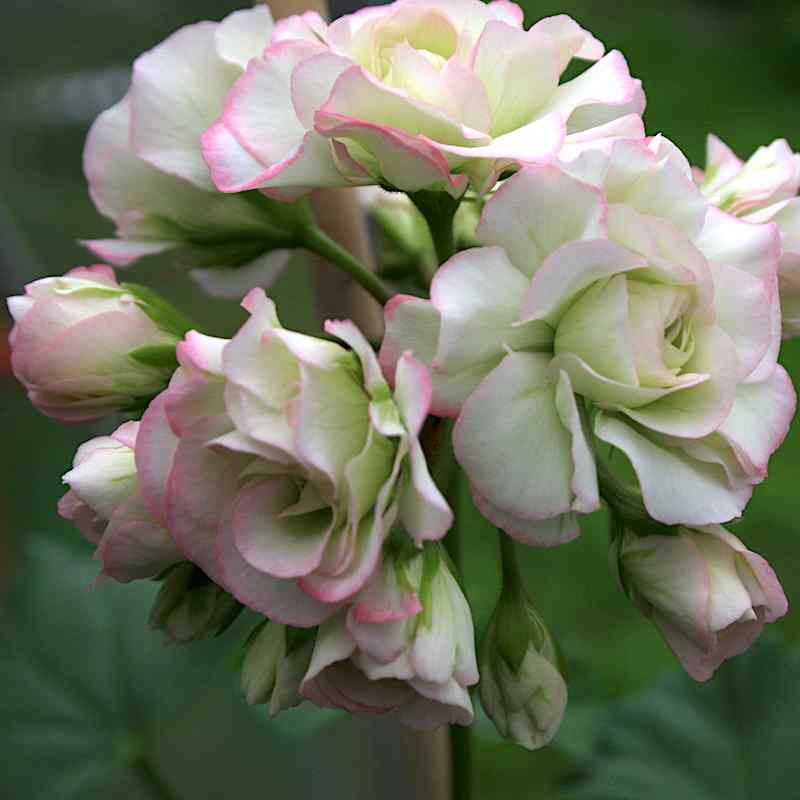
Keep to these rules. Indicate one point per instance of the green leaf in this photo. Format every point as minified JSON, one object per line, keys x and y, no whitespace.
{"x":733,"y":738}
{"x":94,"y":706}
{"x":161,"y":356}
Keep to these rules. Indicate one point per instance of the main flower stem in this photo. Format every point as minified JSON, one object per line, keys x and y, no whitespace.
{"x":460,"y":735}
{"x":512,"y":577}
{"x":319,"y":243}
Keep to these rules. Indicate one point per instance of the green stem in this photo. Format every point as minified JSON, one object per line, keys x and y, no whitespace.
{"x":460,"y":761}
{"x":512,"y":577}
{"x":319,"y":243}
{"x":438,"y":208}
{"x":460,"y":736}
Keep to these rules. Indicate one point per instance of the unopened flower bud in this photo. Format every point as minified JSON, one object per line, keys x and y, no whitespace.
{"x":522,"y":687}
{"x":708,"y":595}
{"x":189,"y":606}
{"x":106,"y":504}
{"x":85,"y":346}
{"x":276,"y":658}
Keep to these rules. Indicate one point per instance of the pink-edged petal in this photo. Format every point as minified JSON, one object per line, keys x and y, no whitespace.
{"x":670,"y":580}
{"x":234,"y":283}
{"x":537,"y":211}
{"x":99,"y":273}
{"x":347,"y":331}
{"x":534,"y":143}
{"x":759,"y":420}
{"x":424,"y":512}
{"x":699,"y":663}
{"x":331,"y":417}
{"x":602,"y":136}
{"x":90,"y":524}
{"x":436,"y":705}
{"x":479,"y":295}
{"x":569,"y":271}
{"x":743,"y":305}
{"x":609,"y":393}
{"x":284,"y":546}
{"x":244,"y":34}
{"x":308,"y":26}
{"x":308,"y":165}
{"x":507,"y":428}
{"x":584,"y":479}
{"x":357,"y":95}
{"x":383,"y":599}
{"x":202,"y":485}
{"x":123,"y":252}
{"x":182,"y":81}
{"x":676,"y":488}
{"x":754,"y":248}
{"x":608,"y":82}
{"x":246,"y":148}
{"x":572,"y":40}
{"x":279,"y":599}
{"x":406,"y":161}
{"x":412,"y":393}
{"x":519,"y":71}
{"x":155,"y":451}
{"x":722,"y":163}
{"x":507,"y":12}
{"x":412,"y":324}
{"x":134,"y":545}
{"x":366,"y":555}
{"x":311,"y":83}
{"x":232,"y":167}
{"x":138,"y":197}
{"x":698,"y":410}
{"x":536,"y":533}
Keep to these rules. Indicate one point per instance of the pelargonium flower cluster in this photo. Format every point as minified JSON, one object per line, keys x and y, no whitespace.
{"x":580,"y":292}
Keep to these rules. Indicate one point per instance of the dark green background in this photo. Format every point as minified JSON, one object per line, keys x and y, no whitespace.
{"x":729,"y":67}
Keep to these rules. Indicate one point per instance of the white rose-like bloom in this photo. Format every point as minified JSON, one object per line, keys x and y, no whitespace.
{"x":708,"y":595}
{"x":612,"y":295}
{"x":762,"y":189}
{"x":418,"y":94}
{"x":280,"y":462}
{"x":105,"y":504}
{"x":145,"y":168}
{"x":406,"y":647}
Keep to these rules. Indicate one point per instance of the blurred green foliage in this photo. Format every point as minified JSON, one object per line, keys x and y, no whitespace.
{"x":728,"y":67}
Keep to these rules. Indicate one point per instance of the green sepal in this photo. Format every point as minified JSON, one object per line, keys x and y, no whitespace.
{"x":234,"y":253}
{"x":298,"y":637}
{"x":166,"y":316}
{"x":161,"y":356}
{"x":283,"y":217}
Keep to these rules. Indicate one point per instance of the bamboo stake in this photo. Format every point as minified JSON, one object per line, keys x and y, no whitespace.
{"x":339,"y":214}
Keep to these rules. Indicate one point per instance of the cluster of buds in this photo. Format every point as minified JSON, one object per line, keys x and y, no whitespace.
{"x":578,"y":286}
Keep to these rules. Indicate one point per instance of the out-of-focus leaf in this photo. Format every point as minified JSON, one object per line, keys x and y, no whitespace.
{"x":734,"y":738}
{"x":88,"y":694}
